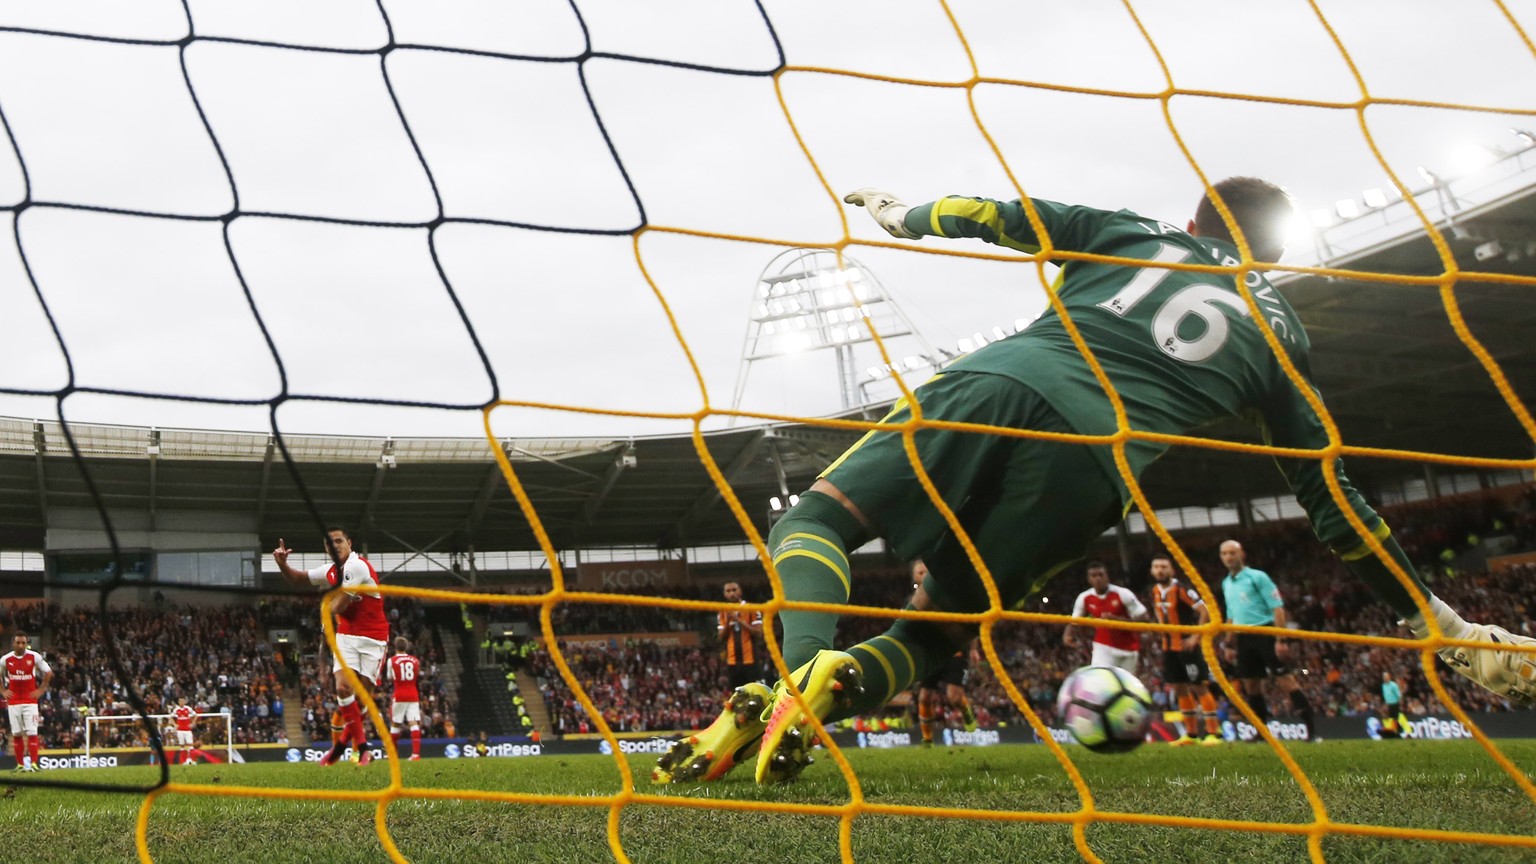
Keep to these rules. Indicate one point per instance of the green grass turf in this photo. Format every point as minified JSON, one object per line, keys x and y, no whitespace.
{"x":1430,"y":784}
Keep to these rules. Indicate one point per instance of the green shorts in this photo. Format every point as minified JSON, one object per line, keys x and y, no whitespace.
{"x":1030,"y":506}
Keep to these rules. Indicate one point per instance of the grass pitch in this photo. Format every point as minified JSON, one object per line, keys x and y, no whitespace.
{"x":1428,"y":784}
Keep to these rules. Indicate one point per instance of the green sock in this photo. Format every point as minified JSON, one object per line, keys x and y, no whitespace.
{"x":967,"y":713}
{"x":810,"y":550}
{"x":1361,"y":562}
{"x":909,"y":651}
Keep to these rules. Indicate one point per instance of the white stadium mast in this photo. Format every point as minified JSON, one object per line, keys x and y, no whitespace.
{"x":806,"y":300}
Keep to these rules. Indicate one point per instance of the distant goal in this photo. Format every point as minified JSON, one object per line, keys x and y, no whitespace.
{"x":99,"y":729}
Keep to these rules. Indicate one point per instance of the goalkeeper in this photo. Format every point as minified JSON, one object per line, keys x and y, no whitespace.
{"x":1181,"y":350}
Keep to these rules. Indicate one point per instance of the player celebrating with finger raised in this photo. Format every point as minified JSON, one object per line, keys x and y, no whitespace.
{"x":1181,"y":349}
{"x":362,"y":631}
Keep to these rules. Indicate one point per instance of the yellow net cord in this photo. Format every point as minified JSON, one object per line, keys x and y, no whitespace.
{"x":1319,"y":827}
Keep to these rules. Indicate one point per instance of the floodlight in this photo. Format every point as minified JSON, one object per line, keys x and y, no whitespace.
{"x":1474,"y":157}
{"x":775,"y":504}
{"x":998,"y":332}
{"x":1299,"y":229}
{"x":1346,"y":208}
{"x":1430,"y":176}
{"x":793,"y":500}
{"x":965,"y":346}
{"x":1374,"y":197}
{"x":979,"y":339}
{"x":1526,"y":138}
{"x":1490,"y":249}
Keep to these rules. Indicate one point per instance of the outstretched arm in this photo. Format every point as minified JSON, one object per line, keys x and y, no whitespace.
{"x":1289,"y":421}
{"x":1004,"y":223}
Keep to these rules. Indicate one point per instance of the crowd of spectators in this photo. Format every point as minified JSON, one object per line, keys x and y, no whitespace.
{"x":642,"y":687}
{"x":638,"y":686}
{"x":572,"y":617}
{"x":219,"y":658}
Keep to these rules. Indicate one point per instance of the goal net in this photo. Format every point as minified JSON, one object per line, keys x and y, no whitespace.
{"x":512,"y":220}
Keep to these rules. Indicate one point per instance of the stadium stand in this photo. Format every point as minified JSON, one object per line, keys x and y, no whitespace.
{"x":218,"y":657}
{"x":503,"y":684}
{"x":641,"y":687}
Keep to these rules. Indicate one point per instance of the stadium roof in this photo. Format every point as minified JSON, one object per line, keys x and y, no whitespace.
{"x":1393,"y":371}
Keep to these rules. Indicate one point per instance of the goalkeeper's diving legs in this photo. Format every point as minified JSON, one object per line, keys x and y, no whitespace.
{"x":733,"y":738}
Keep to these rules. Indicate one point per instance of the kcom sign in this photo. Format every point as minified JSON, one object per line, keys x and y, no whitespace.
{"x":624,"y":576}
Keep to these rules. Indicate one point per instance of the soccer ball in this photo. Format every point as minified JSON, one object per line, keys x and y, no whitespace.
{"x":1105,"y":708}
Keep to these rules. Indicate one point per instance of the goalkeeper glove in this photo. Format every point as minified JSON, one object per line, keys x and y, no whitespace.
{"x":887,"y":210}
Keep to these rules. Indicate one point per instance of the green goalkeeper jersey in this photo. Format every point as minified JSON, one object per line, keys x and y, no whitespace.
{"x":1180,"y":347}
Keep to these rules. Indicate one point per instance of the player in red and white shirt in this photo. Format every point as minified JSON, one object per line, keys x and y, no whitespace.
{"x":20,"y":690}
{"x":362,"y":631}
{"x":184,"y":715}
{"x":1111,"y":647}
{"x":405,"y":671}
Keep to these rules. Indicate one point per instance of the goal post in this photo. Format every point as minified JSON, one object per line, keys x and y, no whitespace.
{"x":163,"y":722}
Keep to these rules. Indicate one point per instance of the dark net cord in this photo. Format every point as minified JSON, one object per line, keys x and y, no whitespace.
{"x":117,"y":580}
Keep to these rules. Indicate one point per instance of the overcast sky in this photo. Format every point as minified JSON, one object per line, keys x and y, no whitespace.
{"x":154,"y":305}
